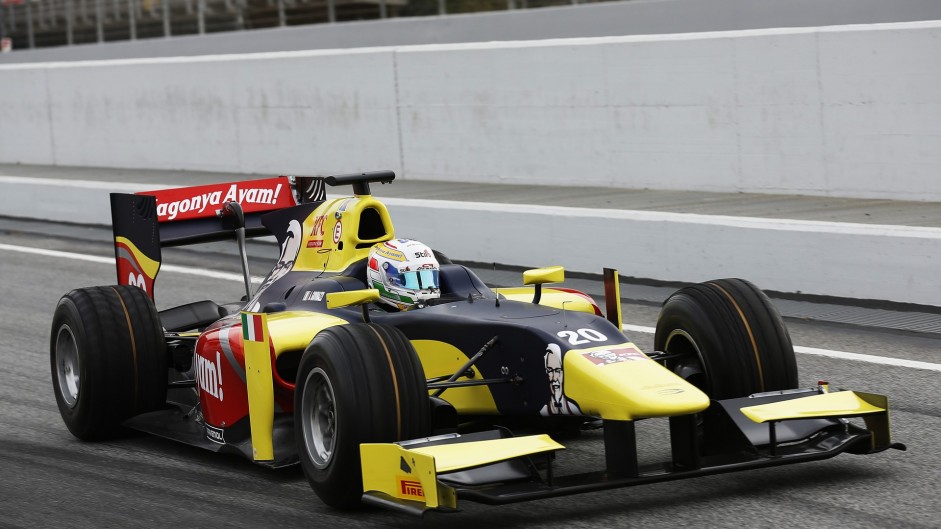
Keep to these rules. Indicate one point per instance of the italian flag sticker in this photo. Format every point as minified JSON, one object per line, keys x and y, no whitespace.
{"x":252,"y":329}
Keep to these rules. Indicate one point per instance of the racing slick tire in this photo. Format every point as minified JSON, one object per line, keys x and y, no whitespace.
{"x":356,"y":383}
{"x":729,"y":339}
{"x":108,"y":359}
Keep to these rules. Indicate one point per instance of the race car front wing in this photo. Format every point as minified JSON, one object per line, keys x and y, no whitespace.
{"x":769,"y":429}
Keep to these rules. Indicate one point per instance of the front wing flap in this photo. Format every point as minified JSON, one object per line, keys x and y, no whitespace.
{"x":413,"y":476}
{"x":758,"y":431}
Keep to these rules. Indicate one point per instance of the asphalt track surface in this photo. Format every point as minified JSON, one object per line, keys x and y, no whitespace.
{"x":50,"y":479}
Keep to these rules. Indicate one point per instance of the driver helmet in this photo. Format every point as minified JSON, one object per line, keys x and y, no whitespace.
{"x":404,"y":271}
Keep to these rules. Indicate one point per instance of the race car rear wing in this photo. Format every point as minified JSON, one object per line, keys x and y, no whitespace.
{"x":147,"y":221}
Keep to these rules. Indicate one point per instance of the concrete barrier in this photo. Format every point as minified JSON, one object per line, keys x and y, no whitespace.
{"x":842,"y":111}
{"x":893,"y":263}
{"x":831,"y":111}
{"x":602,"y":19}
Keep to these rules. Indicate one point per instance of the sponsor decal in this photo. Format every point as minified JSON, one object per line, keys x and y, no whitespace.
{"x":337,"y":232}
{"x":203,"y":201}
{"x":216,"y":435}
{"x":411,"y":489}
{"x":317,"y":229}
{"x":389,"y":252}
{"x":559,"y":403}
{"x":315,"y":243}
{"x":424,"y":253}
{"x":615,"y":356}
{"x":314,"y":296}
{"x":252,"y":329}
{"x":209,"y":375}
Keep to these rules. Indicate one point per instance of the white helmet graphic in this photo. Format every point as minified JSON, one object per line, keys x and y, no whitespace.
{"x":404,"y":271}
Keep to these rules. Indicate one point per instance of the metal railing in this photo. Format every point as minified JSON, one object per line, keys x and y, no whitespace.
{"x":46,"y":23}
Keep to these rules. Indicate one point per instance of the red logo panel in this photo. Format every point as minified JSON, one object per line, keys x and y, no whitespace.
{"x":185,"y":203}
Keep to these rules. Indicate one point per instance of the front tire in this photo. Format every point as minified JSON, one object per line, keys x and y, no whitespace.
{"x":728,"y":339}
{"x":356,"y":383}
{"x":108,"y":359}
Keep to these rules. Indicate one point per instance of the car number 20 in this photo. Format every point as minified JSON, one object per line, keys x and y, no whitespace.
{"x":582,"y":336}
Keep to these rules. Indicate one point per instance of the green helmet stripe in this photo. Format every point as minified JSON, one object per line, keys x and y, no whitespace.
{"x":391,"y":295}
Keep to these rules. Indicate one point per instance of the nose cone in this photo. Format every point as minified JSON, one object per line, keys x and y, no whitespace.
{"x":621,"y":383}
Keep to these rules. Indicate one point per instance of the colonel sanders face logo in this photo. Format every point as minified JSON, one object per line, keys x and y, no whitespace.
{"x":615,"y":356}
{"x":553,"y":361}
{"x":558,"y":403}
{"x":606,"y":357}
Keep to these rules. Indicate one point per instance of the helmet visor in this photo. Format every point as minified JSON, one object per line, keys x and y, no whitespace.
{"x":415,"y":280}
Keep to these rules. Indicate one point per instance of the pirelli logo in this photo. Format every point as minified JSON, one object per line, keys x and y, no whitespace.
{"x":410,"y":489}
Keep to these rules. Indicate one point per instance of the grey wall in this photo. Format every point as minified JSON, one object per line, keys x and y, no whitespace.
{"x":841,"y":111}
{"x":637,"y":17}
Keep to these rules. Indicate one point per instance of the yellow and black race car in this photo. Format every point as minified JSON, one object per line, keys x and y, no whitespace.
{"x":385,"y":406}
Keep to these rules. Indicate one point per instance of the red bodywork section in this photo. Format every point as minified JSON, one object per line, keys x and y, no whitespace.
{"x":584,"y":295}
{"x":223,"y":396}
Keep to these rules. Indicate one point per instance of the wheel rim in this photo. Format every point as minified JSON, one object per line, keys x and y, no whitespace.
{"x":319,"y":415}
{"x":67,"y":366}
{"x":689,"y":366}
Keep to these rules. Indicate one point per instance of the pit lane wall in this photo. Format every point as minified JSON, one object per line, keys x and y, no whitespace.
{"x":862,"y":261}
{"x":842,"y":111}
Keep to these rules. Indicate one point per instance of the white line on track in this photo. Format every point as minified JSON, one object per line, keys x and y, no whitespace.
{"x":193,"y":271}
{"x":842,"y":355}
{"x":203,"y":272}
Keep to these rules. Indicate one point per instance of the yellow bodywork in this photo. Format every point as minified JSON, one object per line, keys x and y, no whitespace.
{"x":337,"y":300}
{"x":332,"y":233}
{"x":621,"y":383}
{"x":458,"y":456}
{"x":411,"y":473}
{"x":293,"y":330}
{"x":383,"y":472}
{"x":839,"y":404}
{"x":258,"y":381}
{"x":539,"y":276}
{"x":551,"y":297}
{"x":441,"y":359}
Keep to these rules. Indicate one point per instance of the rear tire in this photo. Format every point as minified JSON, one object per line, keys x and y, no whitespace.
{"x":356,"y":383}
{"x":108,"y":359}
{"x":731,"y":340}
